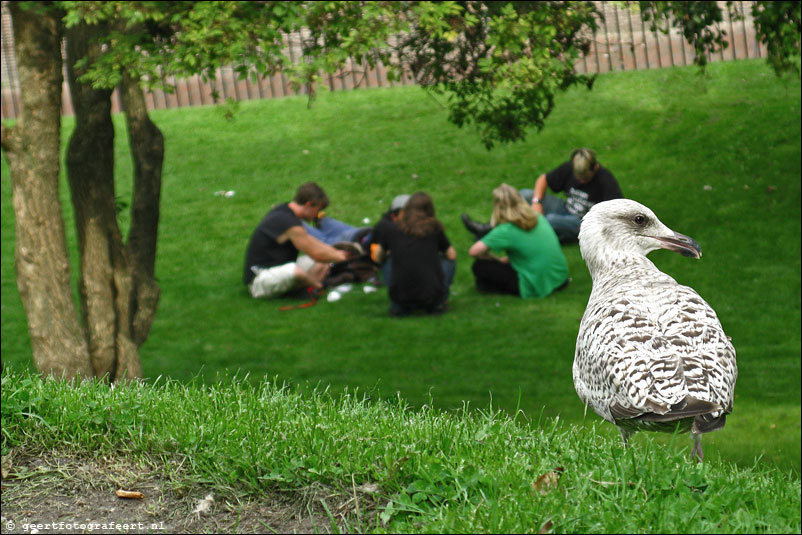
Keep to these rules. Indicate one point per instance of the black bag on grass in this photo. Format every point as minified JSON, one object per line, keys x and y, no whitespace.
{"x":358,"y":268}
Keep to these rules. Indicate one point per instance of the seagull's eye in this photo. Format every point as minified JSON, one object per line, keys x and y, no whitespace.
{"x":640,"y":220}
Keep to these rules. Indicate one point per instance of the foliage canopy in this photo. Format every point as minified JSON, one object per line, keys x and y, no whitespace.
{"x":500,"y":64}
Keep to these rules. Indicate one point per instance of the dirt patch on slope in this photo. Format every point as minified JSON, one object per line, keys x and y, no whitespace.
{"x":55,"y":493}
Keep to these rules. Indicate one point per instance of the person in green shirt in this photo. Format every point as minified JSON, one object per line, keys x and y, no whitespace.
{"x":534,"y":264}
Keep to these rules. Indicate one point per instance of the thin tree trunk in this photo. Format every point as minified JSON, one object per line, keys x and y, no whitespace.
{"x":33,"y":149}
{"x":106,"y":282}
{"x":147,"y":150}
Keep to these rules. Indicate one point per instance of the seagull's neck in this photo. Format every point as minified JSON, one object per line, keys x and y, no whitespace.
{"x":606,"y":264}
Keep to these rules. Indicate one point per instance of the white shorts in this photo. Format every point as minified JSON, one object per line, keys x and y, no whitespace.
{"x":277,"y":280}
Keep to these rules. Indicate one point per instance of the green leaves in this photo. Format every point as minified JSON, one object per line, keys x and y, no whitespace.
{"x":502,"y":62}
{"x":778,"y":27}
{"x":698,"y":22}
{"x":508,"y":62}
{"x":777,"y":24}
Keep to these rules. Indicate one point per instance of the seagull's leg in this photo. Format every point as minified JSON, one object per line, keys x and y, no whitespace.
{"x":697,"y":452}
{"x":624,"y":435}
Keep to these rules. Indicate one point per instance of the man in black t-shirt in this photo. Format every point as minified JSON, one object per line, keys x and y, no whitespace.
{"x":584,"y":182}
{"x":272,"y":266}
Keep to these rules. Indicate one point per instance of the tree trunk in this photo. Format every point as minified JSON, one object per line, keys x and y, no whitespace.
{"x":147,"y":150}
{"x":106,"y":284}
{"x":33,"y":150}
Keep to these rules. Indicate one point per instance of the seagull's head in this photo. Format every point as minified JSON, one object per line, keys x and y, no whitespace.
{"x":623,"y":227}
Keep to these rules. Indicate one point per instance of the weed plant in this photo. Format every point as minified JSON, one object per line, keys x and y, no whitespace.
{"x":716,"y":158}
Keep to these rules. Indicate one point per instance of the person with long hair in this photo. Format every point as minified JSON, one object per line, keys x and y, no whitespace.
{"x":534,"y":265}
{"x":423,"y":259}
{"x":585,"y":183}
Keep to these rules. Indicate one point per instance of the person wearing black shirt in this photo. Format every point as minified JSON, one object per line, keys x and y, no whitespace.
{"x":585,"y":183}
{"x":417,"y":243}
{"x":385,"y":225}
{"x":272,"y":266}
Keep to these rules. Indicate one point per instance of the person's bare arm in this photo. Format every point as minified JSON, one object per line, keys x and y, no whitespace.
{"x":539,"y":192}
{"x":480,"y":250}
{"x":316,"y":249}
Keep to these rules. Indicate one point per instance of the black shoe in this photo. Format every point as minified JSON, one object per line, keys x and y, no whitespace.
{"x":398,"y":312}
{"x":439,"y":309}
{"x":474,"y":227}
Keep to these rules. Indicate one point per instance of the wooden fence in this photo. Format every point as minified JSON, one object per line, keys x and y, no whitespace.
{"x":623,"y":42}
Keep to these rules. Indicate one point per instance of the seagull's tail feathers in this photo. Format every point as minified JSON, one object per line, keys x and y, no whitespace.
{"x":705,"y":423}
{"x":689,"y":407}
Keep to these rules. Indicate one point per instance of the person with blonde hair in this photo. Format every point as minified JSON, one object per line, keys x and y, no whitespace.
{"x":585,"y":183}
{"x":423,"y":259}
{"x":534,"y":264}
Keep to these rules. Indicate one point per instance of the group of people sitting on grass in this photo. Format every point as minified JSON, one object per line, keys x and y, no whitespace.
{"x":518,"y":252}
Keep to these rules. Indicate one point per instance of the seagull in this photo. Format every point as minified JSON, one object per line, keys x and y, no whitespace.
{"x":651,"y":353}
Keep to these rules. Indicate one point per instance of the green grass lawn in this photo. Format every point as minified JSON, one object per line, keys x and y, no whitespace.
{"x":717,"y":159}
{"x":431,"y":471}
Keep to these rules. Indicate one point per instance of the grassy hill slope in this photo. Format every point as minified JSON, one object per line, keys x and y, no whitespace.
{"x":415,"y":471}
{"x":716,"y":158}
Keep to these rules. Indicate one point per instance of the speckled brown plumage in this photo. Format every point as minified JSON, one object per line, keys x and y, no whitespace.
{"x":651,"y":353}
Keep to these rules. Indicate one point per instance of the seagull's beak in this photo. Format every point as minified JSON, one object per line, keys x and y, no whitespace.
{"x":681,"y":244}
